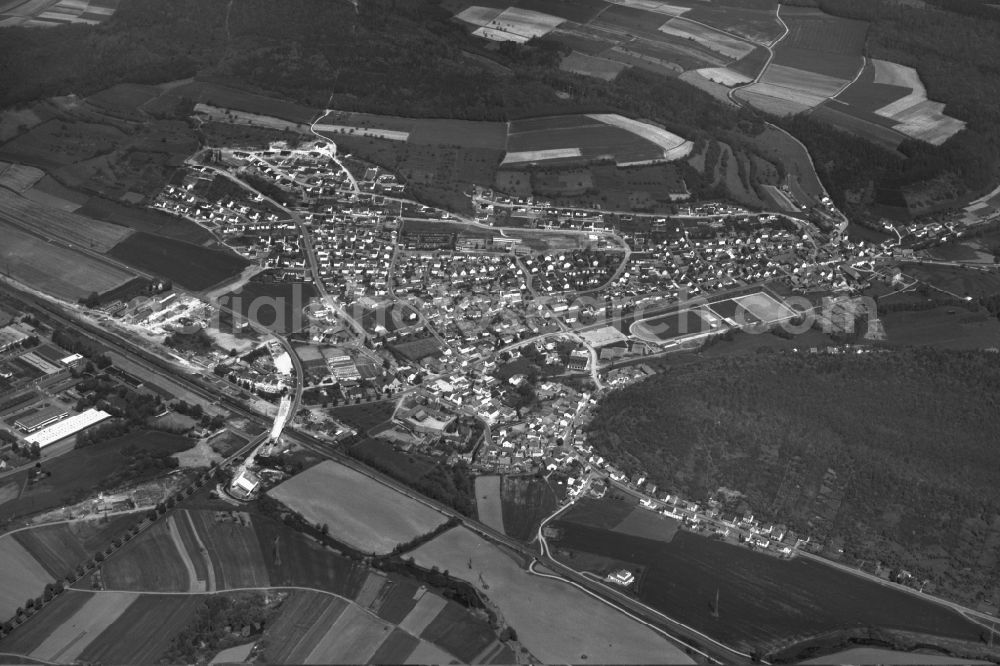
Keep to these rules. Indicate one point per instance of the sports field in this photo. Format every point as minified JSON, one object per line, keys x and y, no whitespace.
{"x":556,"y":622}
{"x":358,"y":510}
{"x":678,"y":325}
{"x":31,"y":260}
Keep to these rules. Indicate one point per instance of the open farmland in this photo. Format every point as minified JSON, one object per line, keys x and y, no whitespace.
{"x":216,"y":94}
{"x":592,"y":137}
{"x":18,"y":177}
{"x":420,"y":131}
{"x":191,"y":266}
{"x":52,"y":13}
{"x":58,"y":547}
{"x":150,"y":220}
{"x":57,"y":143}
{"x":30,"y":260}
{"x":149,"y":563}
{"x":489,"y":508}
{"x":232,"y":548}
{"x":71,"y":637}
{"x":156,"y":618}
{"x":714,"y":40}
{"x":757,"y":24}
{"x":590,"y":65}
{"x":515,"y":24}
{"x":21,"y":576}
{"x":31,"y":635}
{"x":59,"y":224}
{"x":557,"y":622}
{"x":358,"y":510}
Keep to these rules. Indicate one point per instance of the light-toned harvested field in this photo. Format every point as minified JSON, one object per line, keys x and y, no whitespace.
{"x":926,"y":121}
{"x":674,"y":147}
{"x":478,"y":15}
{"x":352,"y":639}
{"x":894,"y":74}
{"x":391,"y":135}
{"x":18,"y":177}
{"x":234,"y":655}
{"x":488,"y":504}
{"x":589,"y":65}
{"x":518,"y":25}
{"x":653,"y":6}
{"x":555,"y":621}
{"x":423,"y":613}
{"x":724,"y":76}
{"x":21,"y":576}
{"x":522,"y":156}
{"x":68,"y":640}
{"x":52,"y":222}
{"x":711,"y":39}
{"x":357,"y":509}
{"x":428,"y":653}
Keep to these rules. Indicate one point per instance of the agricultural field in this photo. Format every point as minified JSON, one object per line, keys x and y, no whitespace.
{"x":61,"y":225}
{"x":526,"y":501}
{"x":555,"y":621}
{"x":358,"y":510}
{"x":57,"y":143}
{"x":151,"y":221}
{"x":194,"y":551}
{"x":622,"y":516}
{"x":191,"y":266}
{"x":53,"y":194}
{"x":317,"y":628}
{"x":18,"y":177}
{"x":489,"y":508}
{"x":590,"y":65}
{"x":216,"y":94}
{"x":419,"y":131}
{"x":713,"y":40}
{"x":30,"y":259}
{"x":21,"y":577}
{"x":151,"y":562}
{"x":756,"y":24}
{"x":51,"y":13}
{"x":572,"y":138}
{"x":943,"y":328}
{"x":512,"y":24}
{"x":157,"y":618}
{"x":70,"y":625}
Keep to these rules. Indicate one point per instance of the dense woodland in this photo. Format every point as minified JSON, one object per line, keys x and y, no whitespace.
{"x":889,"y":455}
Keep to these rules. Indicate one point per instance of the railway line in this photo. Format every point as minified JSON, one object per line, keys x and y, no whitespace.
{"x":714,"y":652}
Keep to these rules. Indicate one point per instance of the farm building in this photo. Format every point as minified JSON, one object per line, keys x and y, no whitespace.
{"x":67,"y":427}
